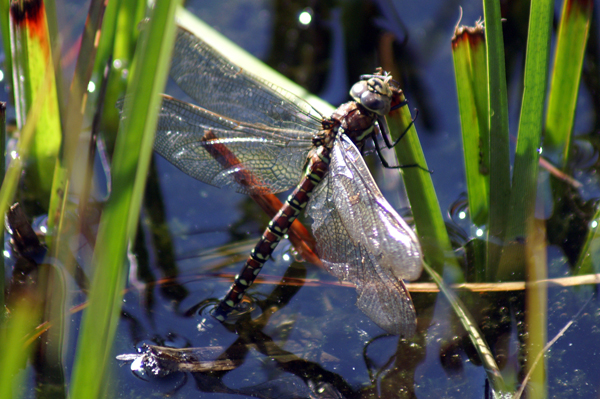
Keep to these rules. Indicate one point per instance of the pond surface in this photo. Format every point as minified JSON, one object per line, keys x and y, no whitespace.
{"x":317,"y":343}
{"x":305,"y":336}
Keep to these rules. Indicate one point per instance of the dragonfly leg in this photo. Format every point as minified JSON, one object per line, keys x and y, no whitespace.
{"x":388,"y":166}
{"x":386,"y":135}
{"x":389,"y":145}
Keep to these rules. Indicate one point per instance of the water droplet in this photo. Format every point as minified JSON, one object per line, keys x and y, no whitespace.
{"x":305,"y":17}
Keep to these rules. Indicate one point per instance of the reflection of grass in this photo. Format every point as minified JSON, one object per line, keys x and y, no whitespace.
{"x":503,"y":208}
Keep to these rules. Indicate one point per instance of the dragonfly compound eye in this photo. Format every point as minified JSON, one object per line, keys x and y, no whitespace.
{"x":358,"y":89}
{"x":376,"y":102}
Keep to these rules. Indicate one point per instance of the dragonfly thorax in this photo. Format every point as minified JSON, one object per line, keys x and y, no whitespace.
{"x":356,"y":121}
{"x":326,"y":136}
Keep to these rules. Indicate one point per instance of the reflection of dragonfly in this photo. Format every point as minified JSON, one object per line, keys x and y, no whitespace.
{"x":258,"y":138}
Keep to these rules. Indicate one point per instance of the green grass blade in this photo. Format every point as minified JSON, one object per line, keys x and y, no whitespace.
{"x":2,"y":174}
{"x":15,"y":167}
{"x":525,"y":175}
{"x":119,"y":35}
{"x":55,"y":40}
{"x":431,"y":228}
{"x":499,"y":136}
{"x":468,"y":49}
{"x":107,"y":38}
{"x":5,"y":31}
{"x":130,"y":164}
{"x":31,"y":59}
{"x":572,"y":38}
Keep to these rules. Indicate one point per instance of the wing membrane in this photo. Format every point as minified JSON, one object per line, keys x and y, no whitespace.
{"x":223,"y":87}
{"x":252,"y":159}
{"x":363,"y":240}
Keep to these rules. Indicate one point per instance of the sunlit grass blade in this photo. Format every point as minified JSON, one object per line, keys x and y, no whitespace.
{"x":468,"y":49}
{"x":32,"y":58}
{"x":499,"y":134}
{"x":133,"y":150}
{"x":2,"y":173}
{"x":20,"y":156}
{"x":571,"y":42}
{"x":525,"y":174}
{"x":5,"y":33}
{"x":120,"y":32}
{"x":34,"y":83}
{"x":485,"y":354}
{"x":55,"y":38}
{"x":431,"y":228}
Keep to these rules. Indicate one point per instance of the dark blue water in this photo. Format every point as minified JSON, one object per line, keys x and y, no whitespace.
{"x":333,"y":349}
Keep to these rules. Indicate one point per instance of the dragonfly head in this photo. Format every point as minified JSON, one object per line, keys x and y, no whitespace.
{"x":374,"y":93}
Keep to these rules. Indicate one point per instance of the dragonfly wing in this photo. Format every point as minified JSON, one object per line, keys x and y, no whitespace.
{"x":222,"y":152}
{"x":223,"y":87}
{"x":363,"y":240}
{"x":368,"y":216}
{"x":381,"y":296}
{"x":386,"y":300}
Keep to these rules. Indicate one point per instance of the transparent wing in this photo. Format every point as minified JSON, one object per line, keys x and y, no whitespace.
{"x":223,"y":87}
{"x":252,"y":159}
{"x":363,"y":240}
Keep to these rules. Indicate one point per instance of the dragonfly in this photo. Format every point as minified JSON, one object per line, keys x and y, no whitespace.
{"x":248,"y":134}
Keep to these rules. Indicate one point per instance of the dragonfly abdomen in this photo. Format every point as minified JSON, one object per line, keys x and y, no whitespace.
{"x":296,"y":202}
